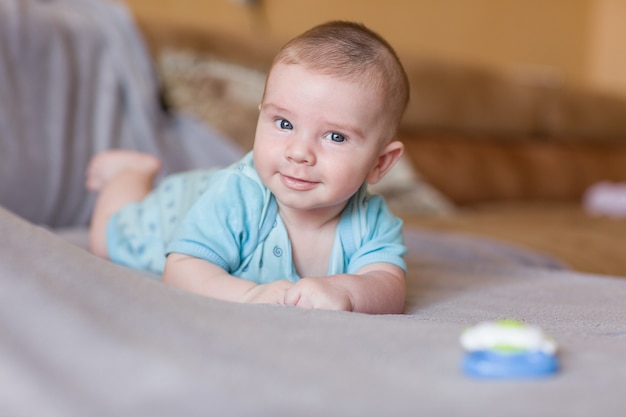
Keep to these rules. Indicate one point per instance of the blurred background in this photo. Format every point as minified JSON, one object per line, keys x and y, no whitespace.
{"x":574,"y":42}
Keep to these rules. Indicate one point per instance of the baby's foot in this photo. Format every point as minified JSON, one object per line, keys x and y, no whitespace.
{"x":108,"y":164}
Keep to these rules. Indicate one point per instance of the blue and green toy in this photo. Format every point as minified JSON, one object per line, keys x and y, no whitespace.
{"x":508,"y":349}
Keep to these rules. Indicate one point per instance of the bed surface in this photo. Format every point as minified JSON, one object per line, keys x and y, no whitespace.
{"x":81,"y":336}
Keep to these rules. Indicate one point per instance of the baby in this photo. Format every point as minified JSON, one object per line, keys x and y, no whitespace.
{"x":291,"y":223}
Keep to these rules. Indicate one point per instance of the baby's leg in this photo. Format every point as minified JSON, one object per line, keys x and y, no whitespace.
{"x":120,"y":177}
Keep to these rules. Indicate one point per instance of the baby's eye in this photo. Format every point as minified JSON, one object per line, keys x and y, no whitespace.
{"x":336,"y":137}
{"x":284,"y":124}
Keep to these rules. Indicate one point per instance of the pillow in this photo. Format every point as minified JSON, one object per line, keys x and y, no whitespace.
{"x":226,"y":96}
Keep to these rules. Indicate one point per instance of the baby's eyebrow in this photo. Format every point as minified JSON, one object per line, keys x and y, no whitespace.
{"x":274,"y":107}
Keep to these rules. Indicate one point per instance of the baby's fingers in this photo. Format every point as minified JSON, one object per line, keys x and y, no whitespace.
{"x":293,"y":297}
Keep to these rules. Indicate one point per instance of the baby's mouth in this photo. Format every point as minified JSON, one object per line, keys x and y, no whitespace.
{"x":297,"y":184}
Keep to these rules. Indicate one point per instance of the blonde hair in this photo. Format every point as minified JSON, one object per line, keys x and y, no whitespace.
{"x":353,"y":52}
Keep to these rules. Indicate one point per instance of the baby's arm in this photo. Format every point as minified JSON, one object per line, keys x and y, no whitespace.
{"x":204,"y":278}
{"x":376,"y":288}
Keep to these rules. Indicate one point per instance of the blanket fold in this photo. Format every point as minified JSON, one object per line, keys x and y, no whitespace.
{"x":76,"y":79}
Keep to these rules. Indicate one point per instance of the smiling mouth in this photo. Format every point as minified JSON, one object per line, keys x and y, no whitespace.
{"x":296,"y":183}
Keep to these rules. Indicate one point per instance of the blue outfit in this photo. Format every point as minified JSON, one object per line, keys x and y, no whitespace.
{"x":235,"y":224}
{"x":137,"y":234}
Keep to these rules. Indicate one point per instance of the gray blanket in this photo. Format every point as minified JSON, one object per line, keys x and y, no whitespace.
{"x":83,"y":337}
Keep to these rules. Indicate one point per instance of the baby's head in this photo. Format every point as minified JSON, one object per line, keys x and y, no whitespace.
{"x":353,"y":52}
{"x":331,"y":108}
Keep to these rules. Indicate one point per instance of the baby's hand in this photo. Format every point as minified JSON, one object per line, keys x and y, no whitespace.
{"x":319,"y":293}
{"x":272,"y":293}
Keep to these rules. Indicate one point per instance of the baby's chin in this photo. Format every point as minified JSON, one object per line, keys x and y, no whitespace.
{"x":305,"y":205}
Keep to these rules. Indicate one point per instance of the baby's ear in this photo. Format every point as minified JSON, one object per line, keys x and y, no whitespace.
{"x":387,"y":158}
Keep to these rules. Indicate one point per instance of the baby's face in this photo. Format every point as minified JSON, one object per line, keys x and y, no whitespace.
{"x":318,"y":138}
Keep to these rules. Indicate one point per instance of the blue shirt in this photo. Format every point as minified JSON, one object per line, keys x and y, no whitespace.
{"x":235,"y":224}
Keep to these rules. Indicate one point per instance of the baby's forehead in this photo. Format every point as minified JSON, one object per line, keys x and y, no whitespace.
{"x":366,"y":85}
{"x":365,"y":80}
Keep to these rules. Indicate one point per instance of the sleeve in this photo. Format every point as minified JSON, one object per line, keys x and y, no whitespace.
{"x":222,"y":227}
{"x":377,"y":235}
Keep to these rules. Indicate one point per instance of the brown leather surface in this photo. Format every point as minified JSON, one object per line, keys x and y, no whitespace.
{"x":472,"y":170}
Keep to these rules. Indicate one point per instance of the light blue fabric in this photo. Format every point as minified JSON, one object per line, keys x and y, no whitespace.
{"x":235,"y":225}
{"x":138,"y":233}
{"x":242,"y":232}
